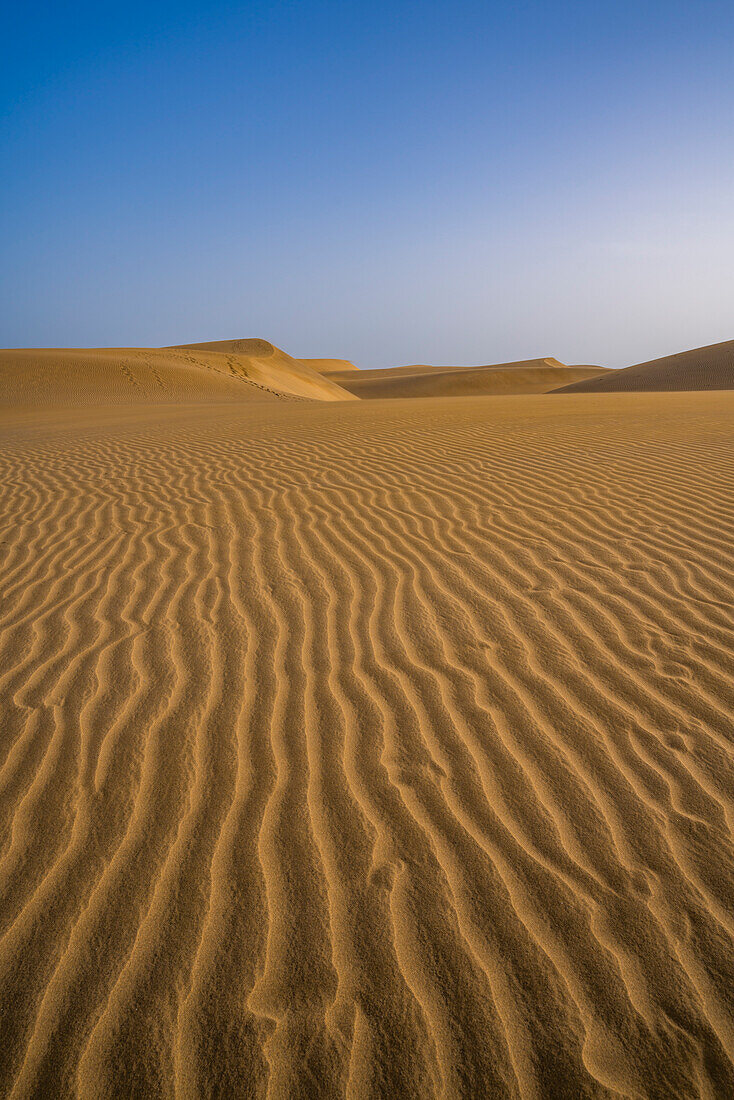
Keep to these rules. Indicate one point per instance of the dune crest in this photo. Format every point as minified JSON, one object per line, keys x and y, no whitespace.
{"x":330,"y":366}
{"x":524,"y":376}
{"x":707,"y":368}
{"x":257,"y":371}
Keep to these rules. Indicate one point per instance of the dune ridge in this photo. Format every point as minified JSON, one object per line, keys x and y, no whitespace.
{"x":707,"y":368}
{"x":524,"y":376}
{"x":368,"y":750}
{"x":254,"y":370}
{"x":425,"y":368}
{"x":331,"y":366}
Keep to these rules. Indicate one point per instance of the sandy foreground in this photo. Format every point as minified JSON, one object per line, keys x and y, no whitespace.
{"x":368,"y":749}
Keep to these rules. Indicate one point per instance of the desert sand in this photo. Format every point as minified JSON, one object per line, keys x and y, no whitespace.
{"x":330,"y":366}
{"x":526,"y":376}
{"x":254,"y":371}
{"x":361,"y":748}
{"x":708,"y":368}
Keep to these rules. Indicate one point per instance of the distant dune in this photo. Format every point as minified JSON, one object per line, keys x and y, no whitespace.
{"x":707,"y":368}
{"x":254,"y":370}
{"x":424,"y":368}
{"x":330,"y":366}
{"x":524,"y":376}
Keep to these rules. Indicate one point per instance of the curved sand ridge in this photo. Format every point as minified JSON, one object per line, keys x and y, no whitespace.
{"x":709,"y":368}
{"x":331,"y":366}
{"x":525,"y":376}
{"x":256,"y":347}
{"x":368,"y":750}
{"x":256,"y":370}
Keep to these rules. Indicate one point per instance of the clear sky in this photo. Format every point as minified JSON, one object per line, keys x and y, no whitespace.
{"x":441,"y":182}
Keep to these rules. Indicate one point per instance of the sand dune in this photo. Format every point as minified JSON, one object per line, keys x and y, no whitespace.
{"x":265,"y":354}
{"x":330,"y":366}
{"x":709,"y":368}
{"x":425,"y":368}
{"x":525,"y":376}
{"x":102,"y":376}
{"x":378,"y":749}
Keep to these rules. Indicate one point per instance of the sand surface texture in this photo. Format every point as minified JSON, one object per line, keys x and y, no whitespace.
{"x":369,"y":749}
{"x":253,"y":371}
{"x":709,"y":368}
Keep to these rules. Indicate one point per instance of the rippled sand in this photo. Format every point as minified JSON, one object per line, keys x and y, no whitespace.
{"x":369,"y":749}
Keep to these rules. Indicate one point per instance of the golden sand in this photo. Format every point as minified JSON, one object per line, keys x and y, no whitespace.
{"x":709,"y":368}
{"x":527,"y":376}
{"x":367,"y":749}
{"x":99,"y":377}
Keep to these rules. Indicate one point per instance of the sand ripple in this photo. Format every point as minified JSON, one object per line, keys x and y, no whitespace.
{"x":369,"y":750}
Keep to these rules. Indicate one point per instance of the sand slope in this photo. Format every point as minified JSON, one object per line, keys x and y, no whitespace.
{"x":262,"y":358}
{"x":103,"y":376}
{"x":368,"y":749}
{"x":425,"y":368}
{"x":330,"y":366}
{"x":709,"y":368}
{"x":527,"y":376}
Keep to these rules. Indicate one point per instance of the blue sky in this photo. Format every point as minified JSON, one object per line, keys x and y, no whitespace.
{"x":389,"y":182}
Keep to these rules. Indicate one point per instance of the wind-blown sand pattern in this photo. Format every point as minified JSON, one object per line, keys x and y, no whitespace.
{"x":369,"y":749}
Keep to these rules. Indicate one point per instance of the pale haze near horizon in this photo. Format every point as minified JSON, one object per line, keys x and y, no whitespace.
{"x":388,"y":183}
